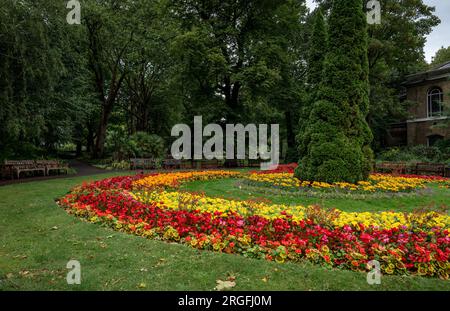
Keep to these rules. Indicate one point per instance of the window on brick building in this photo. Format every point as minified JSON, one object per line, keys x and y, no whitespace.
{"x":435,"y":102}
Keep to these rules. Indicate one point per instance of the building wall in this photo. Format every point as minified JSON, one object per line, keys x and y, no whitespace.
{"x":418,"y":132}
{"x":419,"y":94}
{"x":419,"y":128}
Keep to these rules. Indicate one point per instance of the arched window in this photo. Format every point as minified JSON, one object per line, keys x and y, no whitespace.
{"x":435,"y":100}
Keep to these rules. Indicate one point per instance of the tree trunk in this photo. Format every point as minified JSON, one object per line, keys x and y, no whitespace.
{"x":101,"y":132}
{"x":79,"y":149}
{"x":90,"y":139}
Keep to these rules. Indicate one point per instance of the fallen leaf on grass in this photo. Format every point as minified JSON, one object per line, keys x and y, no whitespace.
{"x":161,"y":262}
{"x":264,"y":279}
{"x":142,"y":285}
{"x":25,"y":273}
{"x":54,"y":228}
{"x":224,"y":285}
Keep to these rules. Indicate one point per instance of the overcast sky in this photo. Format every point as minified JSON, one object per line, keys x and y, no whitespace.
{"x":441,"y":34}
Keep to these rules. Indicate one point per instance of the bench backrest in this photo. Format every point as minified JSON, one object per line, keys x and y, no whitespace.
{"x":32,"y":163}
{"x":431,"y":167}
{"x":48,"y":163}
{"x":172,"y":162}
{"x":21,"y":163}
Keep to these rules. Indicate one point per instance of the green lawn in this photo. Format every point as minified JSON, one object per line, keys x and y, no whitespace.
{"x":37,"y":239}
{"x":433,"y":198}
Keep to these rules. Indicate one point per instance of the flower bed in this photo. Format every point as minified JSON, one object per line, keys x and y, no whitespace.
{"x":150,"y":206}
{"x":376,"y":183}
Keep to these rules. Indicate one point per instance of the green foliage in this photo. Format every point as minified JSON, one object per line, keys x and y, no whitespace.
{"x":30,"y":68}
{"x":417,"y":154}
{"x":442,"y":56}
{"x":147,"y":65}
{"x":148,"y":145}
{"x":337,"y":138}
{"x":120,"y":165}
{"x":139,"y":145}
{"x":317,"y":45}
{"x":235,"y":53}
{"x":317,"y":50}
{"x":396,"y":49}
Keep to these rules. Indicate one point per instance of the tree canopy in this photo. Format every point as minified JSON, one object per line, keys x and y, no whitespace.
{"x":442,"y":56}
{"x":143,"y":66}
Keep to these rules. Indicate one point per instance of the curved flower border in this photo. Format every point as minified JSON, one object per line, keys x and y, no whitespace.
{"x":418,"y":244}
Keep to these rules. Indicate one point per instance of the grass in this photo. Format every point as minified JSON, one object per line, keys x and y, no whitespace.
{"x":433,"y":198}
{"x":37,"y":239}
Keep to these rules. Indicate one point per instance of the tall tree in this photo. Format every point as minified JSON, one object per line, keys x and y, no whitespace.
{"x":442,"y":56}
{"x":110,"y":34}
{"x":230,"y":50}
{"x":317,"y":48}
{"x":31,"y":68}
{"x":148,"y":101}
{"x":337,"y":139}
{"x":396,"y":49}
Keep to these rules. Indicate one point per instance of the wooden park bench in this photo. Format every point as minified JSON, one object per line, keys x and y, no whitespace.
{"x":436,"y":169}
{"x":53,"y":165}
{"x":187,"y":164}
{"x":392,"y":167}
{"x":171,"y":164}
{"x":144,"y":164}
{"x":14,"y":168}
{"x":210,"y":163}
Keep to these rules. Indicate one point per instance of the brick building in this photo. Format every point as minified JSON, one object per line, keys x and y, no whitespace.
{"x":428,"y":91}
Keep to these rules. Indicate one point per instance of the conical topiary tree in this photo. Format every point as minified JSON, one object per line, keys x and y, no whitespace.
{"x":317,"y":50}
{"x":316,"y":55}
{"x":336,"y":140}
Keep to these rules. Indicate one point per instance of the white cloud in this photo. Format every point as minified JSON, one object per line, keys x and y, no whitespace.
{"x":441,"y":34}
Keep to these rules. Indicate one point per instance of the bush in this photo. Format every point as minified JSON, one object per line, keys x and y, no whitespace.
{"x":139,"y":145}
{"x":148,"y":145}
{"x":118,"y":143}
{"x":421,"y":153}
{"x":121,"y":165}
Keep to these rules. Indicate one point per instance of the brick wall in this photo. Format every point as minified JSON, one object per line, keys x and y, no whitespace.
{"x":419,"y":131}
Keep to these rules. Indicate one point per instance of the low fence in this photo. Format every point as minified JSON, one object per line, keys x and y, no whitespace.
{"x":435,"y":169}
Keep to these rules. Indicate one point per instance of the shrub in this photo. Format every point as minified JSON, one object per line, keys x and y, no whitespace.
{"x":335,"y":142}
{"x":416,"y":154}
{"x":121,"y":165}
{"x":139,"y":145}
{"x":148,"y":145}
